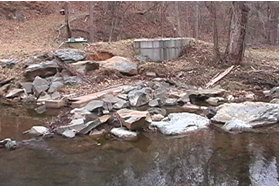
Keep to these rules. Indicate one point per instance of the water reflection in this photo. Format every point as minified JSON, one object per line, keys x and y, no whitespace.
{"x":206,"y":157}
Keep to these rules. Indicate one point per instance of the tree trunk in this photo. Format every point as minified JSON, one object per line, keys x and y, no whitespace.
{"x":273,"y":22}
{"x":197,"y":19}
{"x":68,"y":28}
{"x":213,"y":12}
{"x":178,"y":19}
{"x":236,"y":46}
{"x":91,"y":21}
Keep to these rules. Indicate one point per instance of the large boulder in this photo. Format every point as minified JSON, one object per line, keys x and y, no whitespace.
{"x":180,"y":123}
{"x":252,"y":113}
{"x":70,"y":55}
{"x":45,"y":69}
{"x":121,"y":64}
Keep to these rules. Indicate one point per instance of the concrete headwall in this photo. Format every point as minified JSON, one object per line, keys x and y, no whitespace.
{"x":160,"y":49}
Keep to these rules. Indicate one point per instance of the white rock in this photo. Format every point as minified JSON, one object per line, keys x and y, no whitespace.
{"x":179,"y":123}
{"x":38,"y":130}
{"x":236,"y":125}
{"x":124,"y":134}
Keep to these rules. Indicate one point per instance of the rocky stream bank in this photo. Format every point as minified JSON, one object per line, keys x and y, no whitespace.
{"x":124,"y":111}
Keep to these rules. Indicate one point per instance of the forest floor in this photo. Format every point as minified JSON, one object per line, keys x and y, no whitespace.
{"x":20,"y":40}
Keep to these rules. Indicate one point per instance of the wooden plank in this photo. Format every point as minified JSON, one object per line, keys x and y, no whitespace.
{"x":83,"y":100}
{"x":217,"y":78}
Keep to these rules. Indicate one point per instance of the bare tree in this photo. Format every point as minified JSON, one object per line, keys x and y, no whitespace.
{"x":91,"y":21}
{"x":236,"y":46}
{"x":197,"y":19}
{"x":178,"y":18}
{"x":68,"y":28}
{"x":273,"y":22}
{"x":211,"y":6}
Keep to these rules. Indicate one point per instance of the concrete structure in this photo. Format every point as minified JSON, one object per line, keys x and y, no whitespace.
{"x":160,"y":49}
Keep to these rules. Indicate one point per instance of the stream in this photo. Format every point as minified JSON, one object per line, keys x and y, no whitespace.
{"x":206,"y":157}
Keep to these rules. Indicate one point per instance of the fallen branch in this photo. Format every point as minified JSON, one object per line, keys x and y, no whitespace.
{"x":72,"y":71}
{"x":218,"y":77}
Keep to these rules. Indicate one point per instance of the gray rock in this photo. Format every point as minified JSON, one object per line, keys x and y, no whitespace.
{"x":72,"y":80}
{"x":44,"y":97}
{"x":215,"y":101}
{"x":151,"y":74}
{"x":124,"y":134}
{"x":134,"y":119}
{"x":207,"y":92}
{"x":38,"y":131}
{"x":8,"y":144}
{"x":275,"y":100}
{"x":97,"y":133}
{"x":55,"y":95}
{"x":236,"y":125}
{"x":76,"y":125}
{"x":274,"y":92}
{"x":40,"y":85}
{"x":170,"y":102}
{"x":69,"y":133}
{"x":90,"y":126}
{"x":41,"y":109}
{"x":183,"y":100}
{"x":55,"y":86}
{"x":109,"y":98}
{"x":154,"y":103}
{"x":121,"y":64}
{"x":95,"y":106}
{"x":180,"y":123}
{"x":121,"y":104}
{"x":252,"y":113}
{"x":70,"y":55}
{"x":14,"y":93}
{"x":154,"y":111}
{"x":139,"y":97}
{"x":27,"y":86}
{"x":8,"y":63}
{"x":45,"y":69}
{"x":193,"y":108}
{"x":123,"y":96}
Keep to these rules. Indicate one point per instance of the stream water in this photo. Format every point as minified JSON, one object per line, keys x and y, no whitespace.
{"x":205,"y":157}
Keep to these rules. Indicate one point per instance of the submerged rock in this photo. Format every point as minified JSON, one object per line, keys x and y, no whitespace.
{"x":180,"y":123}
{"x":124,"y":134}
{"x":69,"y":133}
{"x":236,"y":125}
{"x":70,"y":55}
{"x":252,"y":113}
{"x":8,"y":144}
